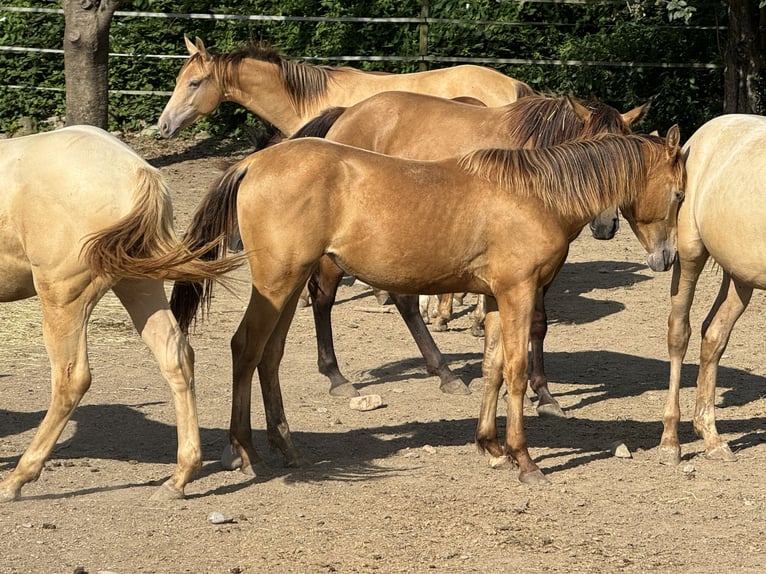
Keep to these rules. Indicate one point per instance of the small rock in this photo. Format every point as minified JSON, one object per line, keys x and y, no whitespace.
{"x":366,"y":403}
{"x":619,"y":450}
{"x":689,"y":471}
{"x":429,"y":449}
{"x":219,"y":518}
{"x":150,"y":132}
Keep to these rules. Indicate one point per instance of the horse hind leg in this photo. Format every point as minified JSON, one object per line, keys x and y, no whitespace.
{"x":147,"y":305}
{"x":277,"y":429}
{"x":547,"y":405}
{"x":250,"y":344}
{"x":731,"y":302}
{"x":64,"y":334}
{"x":324,"y":287}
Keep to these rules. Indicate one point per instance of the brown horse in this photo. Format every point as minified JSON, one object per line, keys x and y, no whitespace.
{"x":82,"y":213}
{"x":722,"y":217}
{"x":306,"y":198}
{"x":287,"y":94}
{"x":414,"y":126}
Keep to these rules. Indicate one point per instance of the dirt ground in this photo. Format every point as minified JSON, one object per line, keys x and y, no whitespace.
{"x":401,"y":488}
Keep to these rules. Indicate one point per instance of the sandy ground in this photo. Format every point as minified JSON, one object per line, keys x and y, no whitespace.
{"x":401,"y":488}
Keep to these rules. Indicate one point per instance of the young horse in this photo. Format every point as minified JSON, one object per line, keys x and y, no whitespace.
{"x":287,"y":94}
{"x":306,"y":198}
{"x":413,"y":126}
{"x":81,"y":213}
{"x":721,"y":217}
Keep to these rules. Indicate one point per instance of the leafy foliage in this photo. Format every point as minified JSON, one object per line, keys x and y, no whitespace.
{"x":634,"y":35}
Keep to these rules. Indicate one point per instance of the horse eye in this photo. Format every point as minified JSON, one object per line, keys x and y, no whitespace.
{"x":195,"y":83}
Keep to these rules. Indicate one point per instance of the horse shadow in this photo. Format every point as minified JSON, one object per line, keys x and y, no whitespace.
{"x":350,"y":455}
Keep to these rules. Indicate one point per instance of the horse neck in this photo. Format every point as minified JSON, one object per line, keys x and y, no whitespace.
{"x":257,"y":85}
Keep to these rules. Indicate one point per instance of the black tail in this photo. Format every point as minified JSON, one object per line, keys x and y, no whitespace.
{"x":320,"y":125}
{"x":215,"y":217}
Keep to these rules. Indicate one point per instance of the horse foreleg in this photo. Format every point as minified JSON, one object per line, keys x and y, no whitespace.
{"x":685,"y":275}
{"x":64,"y":334}
{"x":147,"y":304}
{"x":492,"y":373}
{"x":546,"y":405}
{"x":516,"y":307}
{"x":277,"y":429}
{"x":323,"y":287}
{"x":436,"y":364}
{"x":731,"y":302}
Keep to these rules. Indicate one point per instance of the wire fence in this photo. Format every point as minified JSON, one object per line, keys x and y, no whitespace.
{"x":420,"y":21}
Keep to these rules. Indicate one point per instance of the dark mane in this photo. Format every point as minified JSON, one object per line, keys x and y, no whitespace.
{"x":576,"y":179}
{"x":542,"y":121}
{"x":305,"y":83}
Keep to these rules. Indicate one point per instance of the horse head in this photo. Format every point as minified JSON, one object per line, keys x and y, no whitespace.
{"x":196,"y":94}
{"x":654,"y":217}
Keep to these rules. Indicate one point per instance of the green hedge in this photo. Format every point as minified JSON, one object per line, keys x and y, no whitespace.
{"x":627,"y":32}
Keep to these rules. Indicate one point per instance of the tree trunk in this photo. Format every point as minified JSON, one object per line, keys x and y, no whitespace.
{"x":86,"y":60}
{"x":744,"y":60}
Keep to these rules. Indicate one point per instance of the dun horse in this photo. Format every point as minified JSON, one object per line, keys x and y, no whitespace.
{"x":722,"y":217}
{"x":414,"y":126}
{"x":306,"y":198}
{"x":287,"y":94}
{"x":81,"y":213}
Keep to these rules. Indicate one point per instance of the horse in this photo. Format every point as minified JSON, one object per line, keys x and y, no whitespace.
{"x":82,"y":213}
{"x":288,"y":93}
{"x":413,"y":126}
{"x":721,"y":218}
{"x":306,"y":198}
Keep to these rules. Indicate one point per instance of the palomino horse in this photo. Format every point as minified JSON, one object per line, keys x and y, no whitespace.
{"x":722,"y":217}
{"x":287,"y":94}
{"x":82,"y":213}
{"x":306,"y":198}
{"x":414,"y":126}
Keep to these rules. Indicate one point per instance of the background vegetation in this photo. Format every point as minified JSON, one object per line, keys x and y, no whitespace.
{"x":631,"y":34}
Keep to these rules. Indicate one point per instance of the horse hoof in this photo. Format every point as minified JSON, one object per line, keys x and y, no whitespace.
{"x":8,"y":495}
{"x":345,"y":390}
{"x":167,"y":492}
{"x":303,"y":303}
{"x":551,"y":410}
{"x":722,"y":453}
{"x":501,"y":462}
{"x":455,"y":387}
{"x":477,"y":331}
{"x":533,"y":478}
{"x":259,"y":469}
{"x":670,"y":455}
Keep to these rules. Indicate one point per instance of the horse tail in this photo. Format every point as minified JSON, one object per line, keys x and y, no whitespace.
{"x":144,"y":243}
{"x":214,"y":220}
{"x":320,"y":125}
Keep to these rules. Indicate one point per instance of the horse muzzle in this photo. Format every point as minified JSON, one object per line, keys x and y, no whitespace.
{"x":662,"y":259}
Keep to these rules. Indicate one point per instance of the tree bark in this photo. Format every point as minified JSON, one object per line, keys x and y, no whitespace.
{"x":743,"y":60}
{"x":86,"y":60}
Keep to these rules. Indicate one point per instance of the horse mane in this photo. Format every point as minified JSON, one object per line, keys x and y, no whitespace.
{"x":305,"y":83}
{"x":576,"y":179}
{"x":543,"y":121}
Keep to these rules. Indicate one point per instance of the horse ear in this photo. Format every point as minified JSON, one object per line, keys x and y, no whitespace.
{"x":190,"y":46}
{"x":655,"y":133}
{"x":199,"y":44}
{"x":580,"y":111}
{"x":673,"y":139}
{"x":636,"y":114}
